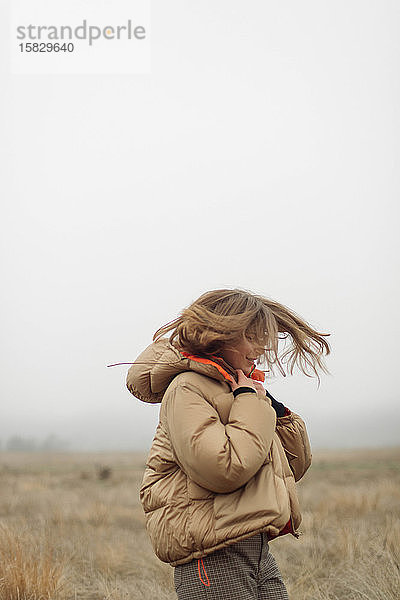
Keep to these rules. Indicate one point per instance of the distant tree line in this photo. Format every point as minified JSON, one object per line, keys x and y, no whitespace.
{"x":51,"y":443}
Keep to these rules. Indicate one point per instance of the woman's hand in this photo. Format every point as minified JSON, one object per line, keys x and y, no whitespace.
{"x":244,"y":381}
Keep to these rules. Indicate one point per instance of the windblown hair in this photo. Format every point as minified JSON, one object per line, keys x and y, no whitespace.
{"x":220,"y":318}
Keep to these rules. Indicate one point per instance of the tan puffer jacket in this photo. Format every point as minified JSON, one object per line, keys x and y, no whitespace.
{"x":218,"y":468}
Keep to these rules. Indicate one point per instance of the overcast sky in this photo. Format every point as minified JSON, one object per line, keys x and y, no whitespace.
{"x":262,"y":151}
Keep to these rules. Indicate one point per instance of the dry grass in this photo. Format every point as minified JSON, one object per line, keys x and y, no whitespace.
{"x":67,"y":533}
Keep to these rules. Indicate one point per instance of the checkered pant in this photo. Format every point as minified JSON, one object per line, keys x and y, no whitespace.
{"x":243,"y":571}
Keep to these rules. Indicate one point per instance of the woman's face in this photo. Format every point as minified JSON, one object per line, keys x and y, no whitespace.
{"x":241,"y":355}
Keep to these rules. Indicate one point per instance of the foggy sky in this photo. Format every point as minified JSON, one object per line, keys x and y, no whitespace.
{"x":261,"y":152}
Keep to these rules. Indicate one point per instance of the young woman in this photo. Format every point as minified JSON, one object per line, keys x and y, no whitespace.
{"x":220,"y":477}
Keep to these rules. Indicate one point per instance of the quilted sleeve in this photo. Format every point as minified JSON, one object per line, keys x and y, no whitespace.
{"x":219,"y":457}
{"x":292,"y":432}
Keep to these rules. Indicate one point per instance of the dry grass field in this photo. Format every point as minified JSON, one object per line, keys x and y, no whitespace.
{"x":71,"y":530}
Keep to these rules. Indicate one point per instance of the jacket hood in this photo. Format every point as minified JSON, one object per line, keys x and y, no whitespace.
{"x":155,"y":368}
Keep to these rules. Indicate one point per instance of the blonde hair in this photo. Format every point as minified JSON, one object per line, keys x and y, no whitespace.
{"x":220,"y":318}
